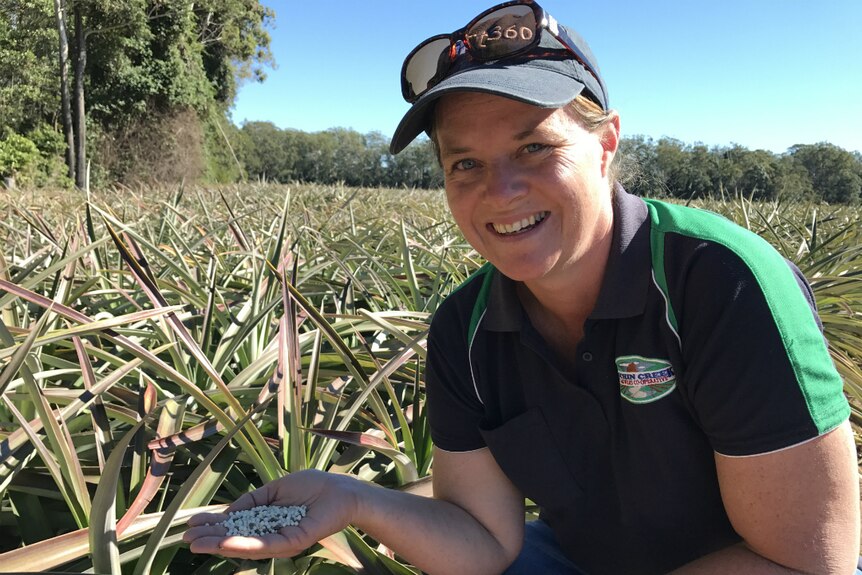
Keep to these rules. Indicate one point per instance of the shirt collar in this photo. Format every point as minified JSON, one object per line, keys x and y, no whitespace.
{"x":627,"y":275}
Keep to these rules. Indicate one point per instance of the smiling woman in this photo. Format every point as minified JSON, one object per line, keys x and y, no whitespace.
{"x":505,"y":162}
{"x":652,"y":376}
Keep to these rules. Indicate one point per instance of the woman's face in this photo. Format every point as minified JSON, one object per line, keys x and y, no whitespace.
{"x":527,"y":186}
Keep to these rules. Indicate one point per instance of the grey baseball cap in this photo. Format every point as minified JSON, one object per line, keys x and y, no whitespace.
{"x":547,"y":76}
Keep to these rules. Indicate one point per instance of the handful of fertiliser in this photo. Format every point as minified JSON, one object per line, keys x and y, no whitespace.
{"x":263,"y":520}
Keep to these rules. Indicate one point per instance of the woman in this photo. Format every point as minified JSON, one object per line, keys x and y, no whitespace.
{"x":652,"y":376}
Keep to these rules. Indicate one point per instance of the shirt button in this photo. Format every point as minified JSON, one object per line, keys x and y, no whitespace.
{"x":587,"y":356}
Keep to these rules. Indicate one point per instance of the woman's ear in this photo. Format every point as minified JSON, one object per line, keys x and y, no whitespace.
{"x":609,"y":134}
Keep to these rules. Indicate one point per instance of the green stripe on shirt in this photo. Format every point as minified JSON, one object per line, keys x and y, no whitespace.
{"x":481,"y":301}
{"x":806,"y":350}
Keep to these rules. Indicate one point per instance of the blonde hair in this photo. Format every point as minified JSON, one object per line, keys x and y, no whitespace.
{"x":592,"y":117}
{"x":588,"y":114}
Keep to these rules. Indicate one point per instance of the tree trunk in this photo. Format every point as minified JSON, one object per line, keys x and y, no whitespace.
{"x":80,"y":115}
{"x":59,"y":13}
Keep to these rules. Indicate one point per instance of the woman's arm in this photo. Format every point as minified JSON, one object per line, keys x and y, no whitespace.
{"x":797,"y":509}
{"x":474,"y":524}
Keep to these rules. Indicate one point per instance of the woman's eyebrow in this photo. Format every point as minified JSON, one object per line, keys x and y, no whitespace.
{"x":454,"y":151}
{"x":525,"y":134}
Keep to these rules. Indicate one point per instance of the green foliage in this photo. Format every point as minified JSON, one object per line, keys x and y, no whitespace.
{"x":29,"y":90}
{"x":836,"y":175}
{"x":170,"y":58}
{"x":142,"y":58}
{"x":51,"y":169}
{"x":145,"y":56}
{"x":670,"y":168}
{"x":263,"y":154}
{"x":220,"y":136}
{"x":254,"y":330}
{"x":415,"y":166}
{"x":145,"y":59}
{"x":49,"y":141}
{"x":35,"y":159}
{"x":17,"y":155}
{"x":196,"y":309}
{"x":333,"y":156}
{"x":235,"y":43}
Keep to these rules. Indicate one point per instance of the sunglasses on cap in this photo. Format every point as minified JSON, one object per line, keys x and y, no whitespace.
{"x":506,"y":30}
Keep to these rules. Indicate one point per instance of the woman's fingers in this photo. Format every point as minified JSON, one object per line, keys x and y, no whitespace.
{"x":328,"y":502}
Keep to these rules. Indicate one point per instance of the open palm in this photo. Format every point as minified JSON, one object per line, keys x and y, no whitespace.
{"x":330,"y":505}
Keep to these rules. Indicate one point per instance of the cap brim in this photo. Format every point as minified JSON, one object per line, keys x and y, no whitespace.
{"x":532,"y":84}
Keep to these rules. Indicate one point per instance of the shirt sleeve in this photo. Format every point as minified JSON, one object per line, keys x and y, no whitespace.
{"x":756,"y":366}
{"x":454,"y":410}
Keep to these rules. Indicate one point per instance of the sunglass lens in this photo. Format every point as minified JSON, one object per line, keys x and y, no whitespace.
{"x":424,"y":65}
{"x":502,"y":32}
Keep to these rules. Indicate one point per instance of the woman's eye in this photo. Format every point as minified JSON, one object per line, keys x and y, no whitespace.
{"x":533,"y":148}
{"x":465,"y":164}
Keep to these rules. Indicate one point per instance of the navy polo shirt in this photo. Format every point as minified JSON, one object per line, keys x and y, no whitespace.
{"x":702,"y":340}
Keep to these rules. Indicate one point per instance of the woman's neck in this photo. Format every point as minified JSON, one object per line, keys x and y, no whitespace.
{"x":567,"y":300}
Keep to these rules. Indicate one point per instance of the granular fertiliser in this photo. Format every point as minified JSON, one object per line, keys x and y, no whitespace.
{"x":263,"y":520}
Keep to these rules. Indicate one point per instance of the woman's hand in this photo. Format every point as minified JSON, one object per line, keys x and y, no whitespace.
{"x":331,"y":505}
{"x":475,"y":523}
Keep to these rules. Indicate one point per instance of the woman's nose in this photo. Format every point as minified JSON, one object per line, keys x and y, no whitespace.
{"x":503,"y":185}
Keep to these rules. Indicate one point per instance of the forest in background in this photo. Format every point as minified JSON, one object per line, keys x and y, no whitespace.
{"x":140,"y":92}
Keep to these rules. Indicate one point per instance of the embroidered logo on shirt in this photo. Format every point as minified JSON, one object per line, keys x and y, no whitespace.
{"x":643,"y":379}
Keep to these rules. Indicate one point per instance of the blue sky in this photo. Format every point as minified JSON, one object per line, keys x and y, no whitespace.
{"x":761,"y":73}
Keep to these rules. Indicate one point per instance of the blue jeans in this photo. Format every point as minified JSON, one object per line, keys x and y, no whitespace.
{"x":542,"y":554}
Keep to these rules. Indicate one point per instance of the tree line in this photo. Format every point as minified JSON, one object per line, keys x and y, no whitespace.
{"x":139,"y":91}
{"x":337,"y":155}
{"x":670,"y":168}
{"x":647,"y":167}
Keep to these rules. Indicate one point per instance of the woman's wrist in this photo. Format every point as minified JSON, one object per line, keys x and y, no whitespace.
{"x":354,"y":494}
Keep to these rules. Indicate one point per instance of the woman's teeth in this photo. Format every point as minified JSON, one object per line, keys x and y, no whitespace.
{"x":524,"y":224}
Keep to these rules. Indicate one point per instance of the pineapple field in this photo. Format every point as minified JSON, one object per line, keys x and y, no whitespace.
{"x":165,"y":350}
